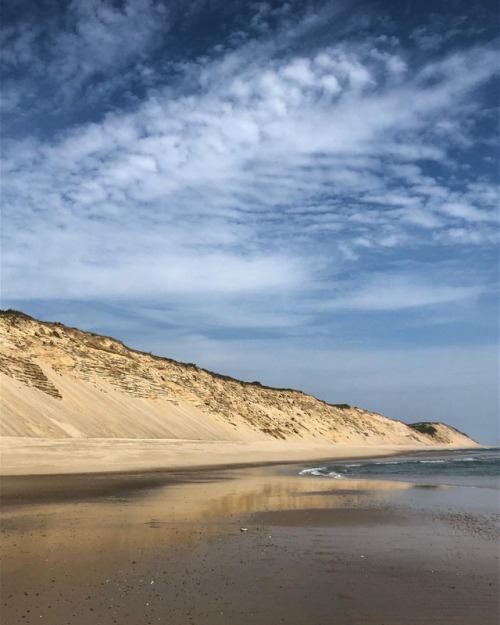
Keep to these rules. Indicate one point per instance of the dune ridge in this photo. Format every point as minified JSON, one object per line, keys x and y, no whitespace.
{"x":59,"y":382}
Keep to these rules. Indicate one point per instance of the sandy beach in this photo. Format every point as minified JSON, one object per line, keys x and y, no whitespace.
{"x":38,"y":456}
{"x":168,"y":547}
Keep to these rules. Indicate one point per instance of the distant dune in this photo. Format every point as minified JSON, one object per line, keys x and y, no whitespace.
{"x":63,"y":383}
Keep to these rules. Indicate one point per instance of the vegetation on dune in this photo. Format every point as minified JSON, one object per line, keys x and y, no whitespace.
{"x":424,"y":427}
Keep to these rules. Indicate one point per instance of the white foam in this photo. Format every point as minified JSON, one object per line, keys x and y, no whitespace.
{"x":313,"y":471}
{"x":432,"y":461}
{"x":322,"y":472}
{"x":336,"y":476}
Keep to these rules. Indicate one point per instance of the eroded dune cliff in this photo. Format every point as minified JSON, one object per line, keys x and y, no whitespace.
{"x":60,"y":382}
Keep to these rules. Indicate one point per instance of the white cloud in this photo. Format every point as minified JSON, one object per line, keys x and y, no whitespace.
{"x":54,"y":61}
{"x":398,"y":292}
{"x":465,"y":211}
{"x":268,"y":169}
{"x":77,"y":265}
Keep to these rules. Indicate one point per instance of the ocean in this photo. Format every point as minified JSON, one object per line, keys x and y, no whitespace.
{"x":478,"y":468}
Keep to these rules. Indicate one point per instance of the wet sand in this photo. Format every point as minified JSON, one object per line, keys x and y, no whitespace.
{"x":167,"y":547}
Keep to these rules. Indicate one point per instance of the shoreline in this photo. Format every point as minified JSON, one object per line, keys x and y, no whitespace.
{"x":30,"y":488}
{"x":29,"y":456}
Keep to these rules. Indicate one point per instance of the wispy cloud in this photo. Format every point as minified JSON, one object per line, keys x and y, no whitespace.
{"x":258,"y":156}
{"x":398,"y":292}
{"x":87,"y":50}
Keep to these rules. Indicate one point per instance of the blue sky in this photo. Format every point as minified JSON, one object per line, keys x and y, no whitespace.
{"x":301,"y":193}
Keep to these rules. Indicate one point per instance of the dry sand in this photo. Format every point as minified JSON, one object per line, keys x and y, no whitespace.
{"x":36,"y":456}
{"x":167,"y":547}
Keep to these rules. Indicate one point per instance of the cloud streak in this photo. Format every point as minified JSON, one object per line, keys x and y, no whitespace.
{"x":260,"y":160}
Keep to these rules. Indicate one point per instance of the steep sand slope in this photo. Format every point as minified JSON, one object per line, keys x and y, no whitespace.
{"x":60,"y":382}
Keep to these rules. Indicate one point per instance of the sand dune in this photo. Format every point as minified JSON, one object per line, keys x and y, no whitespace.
{"x":62,"y":383}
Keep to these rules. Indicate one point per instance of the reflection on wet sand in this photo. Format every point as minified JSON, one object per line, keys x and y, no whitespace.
{"x":170,"y":549}
{"x":42,"y":536}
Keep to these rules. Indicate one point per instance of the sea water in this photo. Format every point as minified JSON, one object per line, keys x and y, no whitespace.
{"x":478,"y":468}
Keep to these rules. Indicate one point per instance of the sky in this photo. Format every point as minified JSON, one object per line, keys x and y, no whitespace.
{"x":303,"y":193}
